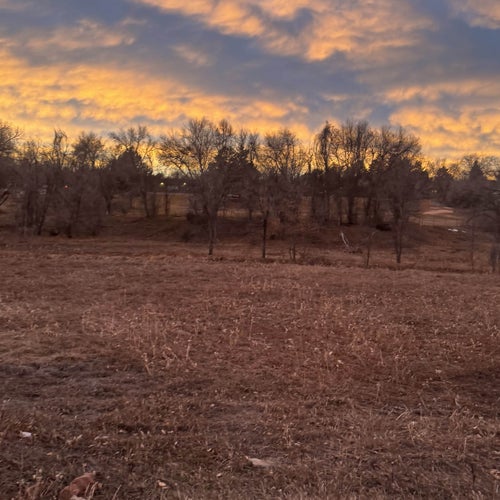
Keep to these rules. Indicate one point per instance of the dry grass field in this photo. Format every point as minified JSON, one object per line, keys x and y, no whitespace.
{"x":170,"y":374}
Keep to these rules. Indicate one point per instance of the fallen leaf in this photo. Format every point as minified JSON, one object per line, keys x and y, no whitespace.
{"x":78,"y":486}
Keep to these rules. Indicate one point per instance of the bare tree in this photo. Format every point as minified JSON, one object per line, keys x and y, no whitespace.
{"x":404,"y":185}
{"x":54,"y":159}
{"x":138,"y":147}
{"x":282,"y":161}
{"x":41,"y":178}
{"x":33,"y":187}
{"x":354,"y":151}
{"x":341,"y":154}
{"x":247,"y":176}
{"x":478,"y":193}
{"x":9,"y":137}
{"x":192,"y":149}
{"x":492,"y":200}
{"x":269,"y":189}
{"x":207,"y":155}
{"x":394,"y":179}
{"x":80,"y":200}
{"x":88,"y":151}
{"x":327,"y":177}
{"x":487,"y":206}
{"x":391,"y":146}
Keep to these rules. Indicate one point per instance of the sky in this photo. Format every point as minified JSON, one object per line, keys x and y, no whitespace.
{"x":431,"y":66}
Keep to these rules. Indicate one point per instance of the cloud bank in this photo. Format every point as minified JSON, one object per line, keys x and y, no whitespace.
{"x":428,"y":65}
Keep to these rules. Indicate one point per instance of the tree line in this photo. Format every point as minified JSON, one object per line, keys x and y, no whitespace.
{"x":352,"y":173}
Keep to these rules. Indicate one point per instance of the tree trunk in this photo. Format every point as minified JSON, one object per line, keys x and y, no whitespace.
{"x":339,"y":211}
{"x":43,"y":214}
{"x":369,"y":248}
{"x":472,"y":245}
{"x":108,"y":205}
{"x":167,"y":203}
{"x":398,"y":239}
{"x":264,"y":235}
{"x":351,"y":210}
{"x":212,"y":233}
{"x":327,"y":210}
{"x":74,"y":216}
{"x":145,"y":203}
{"x":367,"y":205}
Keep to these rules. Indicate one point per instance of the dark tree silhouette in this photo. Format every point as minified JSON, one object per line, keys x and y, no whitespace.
{"x":137,"y":147}
{"x":207,"y":154}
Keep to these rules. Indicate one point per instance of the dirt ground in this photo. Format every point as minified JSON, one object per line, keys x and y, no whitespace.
{"x":169,"y":374}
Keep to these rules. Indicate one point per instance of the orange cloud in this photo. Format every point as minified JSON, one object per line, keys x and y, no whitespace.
{"x":358,"y":29}
{"x":39,"y":99}
{"x":362,"y":31}
{"x":234,"y":18}
{"x":485,"y":88}
{"x":443,"y":133}
{"x":459,"y":114}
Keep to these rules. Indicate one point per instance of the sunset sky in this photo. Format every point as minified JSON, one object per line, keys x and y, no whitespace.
{"x":432,"y":66}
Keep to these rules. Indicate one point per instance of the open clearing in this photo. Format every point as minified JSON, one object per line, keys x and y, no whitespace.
{"x":164,"y":371}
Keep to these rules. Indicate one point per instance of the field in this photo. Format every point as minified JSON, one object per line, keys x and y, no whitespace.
{"x":176,"y":376}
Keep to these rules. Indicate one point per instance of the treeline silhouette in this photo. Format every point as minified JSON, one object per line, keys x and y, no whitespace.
{"x":351,"y":174}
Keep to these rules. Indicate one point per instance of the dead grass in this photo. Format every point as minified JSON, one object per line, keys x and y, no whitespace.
{"x":164,"y":371}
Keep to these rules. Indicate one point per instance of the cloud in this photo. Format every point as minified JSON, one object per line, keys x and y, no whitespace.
{"x":480,"y":13}
{"x":452,"y":117}
{"x":452,"y":132}
{"x":483,"y":90}
{"x":193,"y":55}
{"x":105,"y":98}
{"x":13,"y":5}
{"x":313,"y":30}
{"x":262,"y":64}
{"x":362,"y":31}
{"x":85,"y":34}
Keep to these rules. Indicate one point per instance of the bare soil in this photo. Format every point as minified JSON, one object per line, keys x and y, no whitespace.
{"x":165,"y":372}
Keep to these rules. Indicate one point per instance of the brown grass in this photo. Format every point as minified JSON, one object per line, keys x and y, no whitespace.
{"x":164,"y":372}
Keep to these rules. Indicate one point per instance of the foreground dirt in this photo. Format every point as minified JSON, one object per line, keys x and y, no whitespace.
{"x":166,"y":372}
